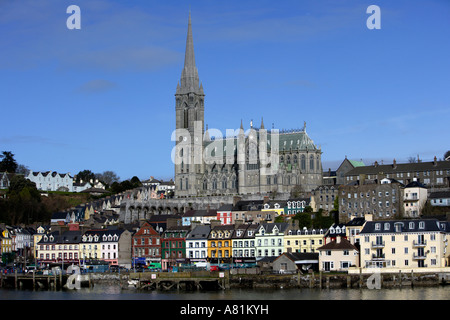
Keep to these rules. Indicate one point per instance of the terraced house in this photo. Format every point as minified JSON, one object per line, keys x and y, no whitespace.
{"x":269,"y":239}
{"x":244,"y":246}
{"x":219,"y":243}
{"x":147,"y":244}
{"x":197,"y":244}
{"x":173,"y":246}
{"x":303,"y":240}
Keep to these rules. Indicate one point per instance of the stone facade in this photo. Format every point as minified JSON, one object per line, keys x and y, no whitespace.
{"x":247,"y":162}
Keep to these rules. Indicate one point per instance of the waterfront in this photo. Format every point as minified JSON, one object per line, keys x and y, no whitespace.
{"x":114,"y":292}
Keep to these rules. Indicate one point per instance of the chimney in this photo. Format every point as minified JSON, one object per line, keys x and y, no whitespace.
{"x":215,"y":223}
{"x":368,"y":217}
{"x":238,"y":222}
{"x":435,"y":161}
{"x":394,"y":164}
{"x":195,"y":224}
{"x":266,"y":199}
{"x":338,"y":239}
{"x":375,"y":164}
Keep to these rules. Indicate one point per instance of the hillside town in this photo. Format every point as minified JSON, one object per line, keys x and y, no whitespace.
{"x":256,"y":198}
{"x":391,"y":217}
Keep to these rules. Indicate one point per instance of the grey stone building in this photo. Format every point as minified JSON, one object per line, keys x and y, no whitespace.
{"x":381,"y":199}
{"x":245,"y":162}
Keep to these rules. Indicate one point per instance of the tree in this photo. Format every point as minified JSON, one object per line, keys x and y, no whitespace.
{"x":8,"y":162}
{"x":136,"y":182}
{"x":85,"y":175}
{"x":447,"y":154}
{"x":304,"y":219}
{"x":108,"y":177}
{"x":23,"y":203}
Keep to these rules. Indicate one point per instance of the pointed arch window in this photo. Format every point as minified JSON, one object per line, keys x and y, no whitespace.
{"x":224,"y":183}
{"x":303,"y":162}
{"x":311,"y":162}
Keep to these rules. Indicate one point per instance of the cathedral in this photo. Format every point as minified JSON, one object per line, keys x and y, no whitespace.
{"x":252,"y":161}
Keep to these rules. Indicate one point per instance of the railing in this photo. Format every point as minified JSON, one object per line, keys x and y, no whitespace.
{"x":419,"y":243}
{"x":378,"y":244}
{"x":378,"y":256}
{"x":419,"y":256}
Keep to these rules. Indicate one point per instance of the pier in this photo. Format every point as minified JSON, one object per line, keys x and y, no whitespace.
{"x":40,"y":281}
{"x":196,"y":280}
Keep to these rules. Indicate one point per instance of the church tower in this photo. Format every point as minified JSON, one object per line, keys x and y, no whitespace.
{"x":189,"y":109}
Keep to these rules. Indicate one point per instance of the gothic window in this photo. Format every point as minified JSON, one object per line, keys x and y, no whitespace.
{"x":224,"y":183}
{"x":186,"y":118}
{"x":303,"y":162}
{"x":288,"y":159}
{"x":311,"y":163}
{"x":205,"y":184}
{"x":181,"y":184}
{"x":233,"y":182}
{"x":295,"y":158}
{"x":214,"y":184}
{"x":268,"y":180}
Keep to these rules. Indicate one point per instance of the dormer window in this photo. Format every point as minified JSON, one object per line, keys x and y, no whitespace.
{"x":377,"y":226}
{"x":421,"y":225}
{"x":411,"y":225}
{"x":387,"y":226}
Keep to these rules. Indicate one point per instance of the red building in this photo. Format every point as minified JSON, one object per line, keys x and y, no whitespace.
{"x":146,"y":245}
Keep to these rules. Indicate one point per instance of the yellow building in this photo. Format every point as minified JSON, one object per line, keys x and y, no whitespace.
{"x":220,"y":244}
{"x":6,"y":242}
{"x":40,"y":231}
{"x":304,"y":240}
{"x":90,"y":248}
{"x":405,"y":244}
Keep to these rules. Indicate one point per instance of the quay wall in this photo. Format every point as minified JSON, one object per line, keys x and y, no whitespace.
{"x":252,"y":279}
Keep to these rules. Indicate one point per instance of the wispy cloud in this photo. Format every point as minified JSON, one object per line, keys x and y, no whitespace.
{"x":26,"y":139}
{"x":97,"y":86}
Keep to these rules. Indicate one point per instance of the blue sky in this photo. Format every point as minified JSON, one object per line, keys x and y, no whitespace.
{"x":102,"y":97}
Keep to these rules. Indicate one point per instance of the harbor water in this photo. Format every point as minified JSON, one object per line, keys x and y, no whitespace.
{"x":114,"y":292}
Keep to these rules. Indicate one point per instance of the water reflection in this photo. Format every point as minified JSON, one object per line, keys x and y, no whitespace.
{"x":108,"y":292}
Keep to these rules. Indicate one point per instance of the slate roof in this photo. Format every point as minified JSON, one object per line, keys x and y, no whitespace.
{"x":226,"y":207}
{"x":343,"y":244}
{"x":439,"y":195}
{"x":413,"y":225}
{"x":400,"y":167}
{"x":301,"y":256}
{"x":199,"y":232}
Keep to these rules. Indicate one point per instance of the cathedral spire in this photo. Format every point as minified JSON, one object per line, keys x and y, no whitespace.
{"x":189,"y":75}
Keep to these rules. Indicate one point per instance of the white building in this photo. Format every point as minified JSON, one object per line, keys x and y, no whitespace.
{"x":197,"y":244}
{"x":51,"y":181}
{"x":414,"y":198}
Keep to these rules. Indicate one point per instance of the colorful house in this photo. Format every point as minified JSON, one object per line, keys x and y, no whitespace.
{"x":220,"y":243}
{"x":147,"y":244}
{"x":173,"y":246}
